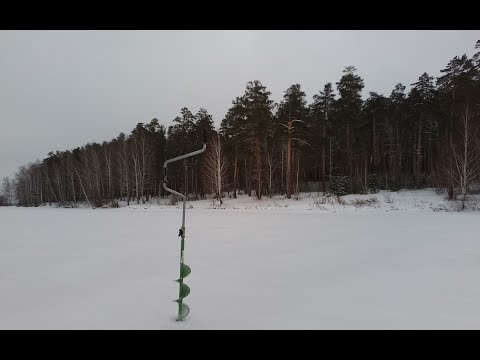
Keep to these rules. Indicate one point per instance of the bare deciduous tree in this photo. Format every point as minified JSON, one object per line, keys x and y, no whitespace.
{"x":271,"y":167}
{"x":7,"y":191}
{"x":215,"y":168}
{"x":466,"y":154}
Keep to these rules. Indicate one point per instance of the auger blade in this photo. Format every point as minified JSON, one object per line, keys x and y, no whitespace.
{"x":184,"y":291}
{"x":183,"y":312}
{"x":184,"y":272}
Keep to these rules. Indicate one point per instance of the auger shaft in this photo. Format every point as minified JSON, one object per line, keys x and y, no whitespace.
{"x":184,"y":290}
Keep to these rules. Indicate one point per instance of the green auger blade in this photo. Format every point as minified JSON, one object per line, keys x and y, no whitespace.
{"x":184,"y":291}
{"x":184,"y":272}
{"x":183,"y":312}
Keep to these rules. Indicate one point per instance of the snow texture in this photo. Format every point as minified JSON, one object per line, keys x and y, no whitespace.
{"x":268,"y":264}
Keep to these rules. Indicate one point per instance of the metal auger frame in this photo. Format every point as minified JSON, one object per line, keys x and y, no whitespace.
{"x":184,"y":290}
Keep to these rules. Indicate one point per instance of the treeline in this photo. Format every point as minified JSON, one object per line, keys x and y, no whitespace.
{"x":126,"y":168}
{"x":339,"y":143}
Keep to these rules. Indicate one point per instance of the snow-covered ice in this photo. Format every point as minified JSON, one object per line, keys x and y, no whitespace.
{"x":269,"y":264}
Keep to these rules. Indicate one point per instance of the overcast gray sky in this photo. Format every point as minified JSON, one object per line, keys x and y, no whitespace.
{"x":62,"y":89}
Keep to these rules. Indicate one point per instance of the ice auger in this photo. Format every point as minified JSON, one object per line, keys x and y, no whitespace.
{"x":184,"y":290}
